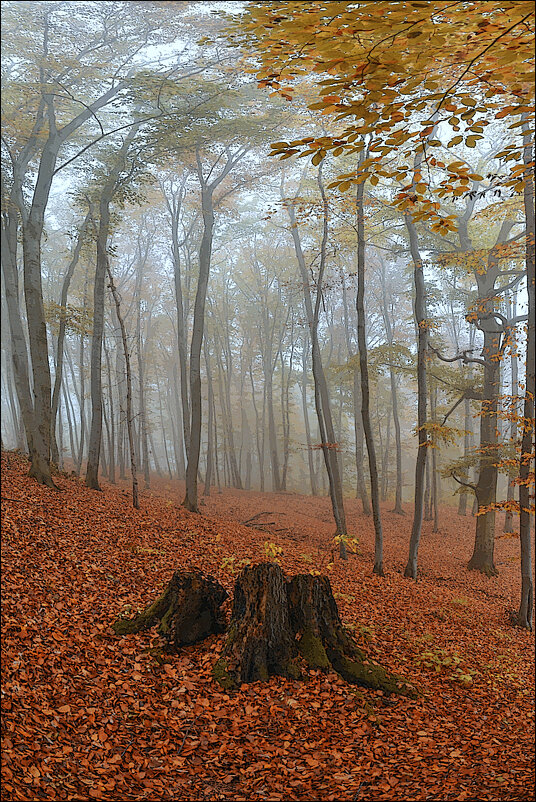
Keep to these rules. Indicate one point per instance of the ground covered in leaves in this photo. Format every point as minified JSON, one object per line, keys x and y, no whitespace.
{"x":90,"y":715}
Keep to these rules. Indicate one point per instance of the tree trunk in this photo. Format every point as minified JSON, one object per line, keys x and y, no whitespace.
{"x":95,"y":434}
{"x":188,"y":611}
{"x":422,"y":347}
{"x":312,"y":474}
{"x":277,"y":625}
{"x":365,"y":392}
{"x":210,"y":433}
{"x":394,"y":394}
{"x":61,"y":334}
{"x":467,"y":425}
{"x":19,"y":353}
{"x":205,"y":250}
{"x":322,"y":399}
{"x":486,"y":487}
{"x":526,"y":460}
{"x":37,"y":331}
{"x":435,"y":483}
{"x":126,"y":355}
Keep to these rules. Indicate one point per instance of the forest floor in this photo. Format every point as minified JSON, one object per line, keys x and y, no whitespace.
{"x":90,"y":715}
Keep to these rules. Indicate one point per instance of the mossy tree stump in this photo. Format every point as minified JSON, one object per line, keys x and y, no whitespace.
{"x":322,"y":641}
{"x":188,"y":611}
{"x":276,"y":625}
{"x":259,"y":642}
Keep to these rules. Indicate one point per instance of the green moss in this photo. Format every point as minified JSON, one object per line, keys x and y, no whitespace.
{"x":312,"y":650}
{"x":165,"y":623}
{"x":145,"y":620}
{"x":371,"y":676}
{"x":220,"y":672}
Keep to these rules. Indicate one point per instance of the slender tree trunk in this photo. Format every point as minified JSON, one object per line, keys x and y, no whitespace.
{"x":462,"y":500}
{"x":19,"y":352}
{"x":111,"y":473}
{"x":82,"y":400}
{"x":190,"y":500}
{"x":526,"y":461}
{"x":95,"y":434}
{"x":322,"y":400}
{"x":210,"y":433}
{"x":365,"y":392}
{"x":102,"y":266}
{"x":435,"y":488}
{"x":514,"y":406}
{"x":61,"y":333}
{"x":69,"y":422}
{"x":394,"y":395}
{"x":312,"y":474}
{"x":126,"y":355}
{"x":422,"y":348}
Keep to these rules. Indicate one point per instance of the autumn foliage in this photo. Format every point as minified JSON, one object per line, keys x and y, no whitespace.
{"x":89,"y":715}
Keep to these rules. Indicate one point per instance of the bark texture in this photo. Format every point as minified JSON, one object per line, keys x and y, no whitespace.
{"x":279,"y":627}
{"x":188,"y":611}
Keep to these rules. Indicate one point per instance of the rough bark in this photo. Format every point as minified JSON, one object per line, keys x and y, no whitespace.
{"x":259,"y":643}
{"x":188,"y":610}
{"x":280,"y":628}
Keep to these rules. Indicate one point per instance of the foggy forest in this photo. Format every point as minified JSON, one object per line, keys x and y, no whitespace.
{"x":267,"y":430}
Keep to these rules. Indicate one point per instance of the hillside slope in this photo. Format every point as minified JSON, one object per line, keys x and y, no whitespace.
{"x":89,"y":715}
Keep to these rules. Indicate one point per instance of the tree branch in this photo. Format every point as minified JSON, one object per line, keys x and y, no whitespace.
{"x":463,"y":357}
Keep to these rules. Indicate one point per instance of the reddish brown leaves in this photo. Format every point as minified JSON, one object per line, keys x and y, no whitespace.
{"x":88,"y":715}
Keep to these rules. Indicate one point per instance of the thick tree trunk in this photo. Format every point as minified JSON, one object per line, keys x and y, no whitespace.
{"x":188,"y":611}
{"x":277,"y":627}
{"x":37,"y":331}
{"x":486,"y":487}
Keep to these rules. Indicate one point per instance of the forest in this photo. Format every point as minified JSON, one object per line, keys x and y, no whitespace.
{"x":267,"y":407}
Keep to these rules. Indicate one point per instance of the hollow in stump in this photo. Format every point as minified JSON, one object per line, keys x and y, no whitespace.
{"x":189,"y":610}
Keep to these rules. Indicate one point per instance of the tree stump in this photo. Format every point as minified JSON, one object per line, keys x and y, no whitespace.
{"x":259,"y":642}
{"x":277,"y":625}
{"x":323,"y":643}
{"x":188,"y":611}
